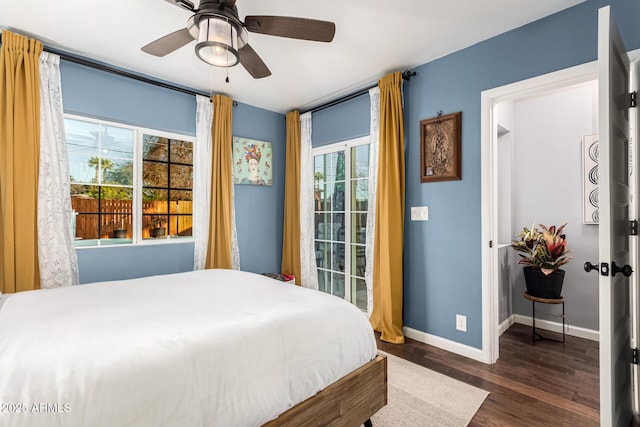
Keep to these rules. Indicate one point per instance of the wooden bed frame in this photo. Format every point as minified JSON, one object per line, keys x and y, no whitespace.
{"x":349,"y":402}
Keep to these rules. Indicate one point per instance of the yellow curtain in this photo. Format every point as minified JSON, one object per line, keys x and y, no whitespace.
{"x":19,"y":160}
{"x":219,"y":247}
{"x":386,"y":316}
{"x":291,"y":227}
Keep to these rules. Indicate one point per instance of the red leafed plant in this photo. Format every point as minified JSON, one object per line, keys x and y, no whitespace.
{"x":546,"y":249}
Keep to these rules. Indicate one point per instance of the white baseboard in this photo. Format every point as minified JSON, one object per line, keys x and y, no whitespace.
{"x":548,"y":325}
{"x":476,"y":354}
{"x":445,"y":344}
{"x":506,"y":324}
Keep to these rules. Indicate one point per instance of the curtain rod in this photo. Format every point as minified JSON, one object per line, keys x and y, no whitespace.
{"x":406,"y":75}
{"x":123,"y":73}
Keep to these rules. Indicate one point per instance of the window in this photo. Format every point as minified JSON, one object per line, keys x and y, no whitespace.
{"x":167,"y":187}
{"x":101,"y":169}
{"x":118,"y":199}
{"x":341,"y":192}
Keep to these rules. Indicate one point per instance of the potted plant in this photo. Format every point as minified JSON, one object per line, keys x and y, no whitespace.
{"x":157,"y":227}
{"x":543,"y":251}
{"x":119,"y":229}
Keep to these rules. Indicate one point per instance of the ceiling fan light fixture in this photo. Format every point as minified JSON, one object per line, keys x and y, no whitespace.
{"x":218,"y":41}
{"x":222,"y":38}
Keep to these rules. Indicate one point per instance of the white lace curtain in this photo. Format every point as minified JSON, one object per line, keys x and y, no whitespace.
{"x":56,"y":252}
{"x":202,"y":180}
{"x":202,"y":188}
{"x":308,"y":267}
{"x":374,"y":135}
{"x":235,"y":249}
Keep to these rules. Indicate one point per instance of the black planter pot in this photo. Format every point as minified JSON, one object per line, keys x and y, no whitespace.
{"x":119,"y":234}
{"x":157,"y":232}
{"x":543,"y":286}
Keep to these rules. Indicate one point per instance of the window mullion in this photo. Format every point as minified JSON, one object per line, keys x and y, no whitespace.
{"x":98,"y":184}
{"x":136,"y":209}
{"x":169,"y":189}
{"x":347,"y":223}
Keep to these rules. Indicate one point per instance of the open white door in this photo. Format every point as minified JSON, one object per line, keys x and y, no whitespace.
{"x":614,"y":287}
{"x":635,"y":242}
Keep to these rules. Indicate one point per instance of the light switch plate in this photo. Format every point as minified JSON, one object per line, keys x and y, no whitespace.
{"x":420,"y":213}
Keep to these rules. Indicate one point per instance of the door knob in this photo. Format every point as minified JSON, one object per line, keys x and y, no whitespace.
{"x":625,"y":270}
{"x":588,"y":267}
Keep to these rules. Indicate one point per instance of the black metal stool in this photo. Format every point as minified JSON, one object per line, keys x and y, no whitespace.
{"x":536,"y":336}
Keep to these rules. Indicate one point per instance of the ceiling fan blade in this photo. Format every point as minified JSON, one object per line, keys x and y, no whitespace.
{"x":185,"y":4}
{"x":294,"y":28}
{"x":253,"y":63}
{"x":169,"y":43}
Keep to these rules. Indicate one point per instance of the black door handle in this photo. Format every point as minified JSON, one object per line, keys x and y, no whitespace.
{"x":588,"y":267}
{"x":625,"y":270}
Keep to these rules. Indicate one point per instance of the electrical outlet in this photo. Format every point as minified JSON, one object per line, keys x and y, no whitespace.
{"x":461,"y":322}
{"x":420,"y":213}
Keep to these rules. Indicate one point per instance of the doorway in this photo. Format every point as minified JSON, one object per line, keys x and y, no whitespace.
{"x":501,"y":192}
{"x":547,"y":173}
{"x":492,"y":102}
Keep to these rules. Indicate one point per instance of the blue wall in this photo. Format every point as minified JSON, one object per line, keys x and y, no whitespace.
{"x":102,"y":95}
{"x":260,"y":210}
{"x":90,"y":92}
{"x":345,"y":121}
{"x":442,"y":258}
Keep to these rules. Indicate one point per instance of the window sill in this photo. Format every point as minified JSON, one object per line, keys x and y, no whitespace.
{"x":140,"y":244}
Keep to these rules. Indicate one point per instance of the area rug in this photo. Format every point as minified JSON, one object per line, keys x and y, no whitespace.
{"x":418,"y":396}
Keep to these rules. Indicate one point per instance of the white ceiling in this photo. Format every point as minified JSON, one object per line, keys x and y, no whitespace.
{"x":373,"y":37}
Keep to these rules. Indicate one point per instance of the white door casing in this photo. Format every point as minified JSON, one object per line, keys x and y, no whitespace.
{"x":613,"y":95}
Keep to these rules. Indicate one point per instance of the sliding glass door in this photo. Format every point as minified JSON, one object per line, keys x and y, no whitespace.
{"x":341,"y":175}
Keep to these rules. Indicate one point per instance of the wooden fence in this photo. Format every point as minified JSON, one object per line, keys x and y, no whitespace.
{"x":117,"y":215}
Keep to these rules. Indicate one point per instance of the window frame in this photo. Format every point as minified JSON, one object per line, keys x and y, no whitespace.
{"x":140,"y":184}
{"x":345,"y":146}
{"x":136,"y":209}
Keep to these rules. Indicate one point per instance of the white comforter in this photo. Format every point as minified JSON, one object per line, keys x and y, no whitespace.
{"x":205,"y":348}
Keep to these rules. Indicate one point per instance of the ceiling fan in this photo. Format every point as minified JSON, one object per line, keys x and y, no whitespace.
{"x":223,"y":39}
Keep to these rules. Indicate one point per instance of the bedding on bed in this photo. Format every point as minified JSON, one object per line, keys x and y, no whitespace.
{"x":204,"y":348}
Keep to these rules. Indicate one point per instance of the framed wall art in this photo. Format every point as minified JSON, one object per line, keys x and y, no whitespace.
{"x":252,"y":162}
{"x":440,"y":148}
{"x":590,"y":189}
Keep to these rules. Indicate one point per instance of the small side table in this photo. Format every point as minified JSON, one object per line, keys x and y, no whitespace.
{"x":536,"y":336}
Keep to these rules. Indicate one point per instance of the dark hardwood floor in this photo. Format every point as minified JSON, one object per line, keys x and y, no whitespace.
{"x":533,"y":384}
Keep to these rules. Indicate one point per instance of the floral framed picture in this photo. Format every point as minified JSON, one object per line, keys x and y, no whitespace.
{"x":440,"y":148}
{"x":252,"y":162}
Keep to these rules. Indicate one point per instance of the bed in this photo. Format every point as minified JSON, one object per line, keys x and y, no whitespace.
{"x":204,"y":348}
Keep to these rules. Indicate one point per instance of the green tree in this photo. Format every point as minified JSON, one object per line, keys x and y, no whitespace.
{"x":120,"y":173}
{"x":110,"y":193}
{"x":98,"y":163}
